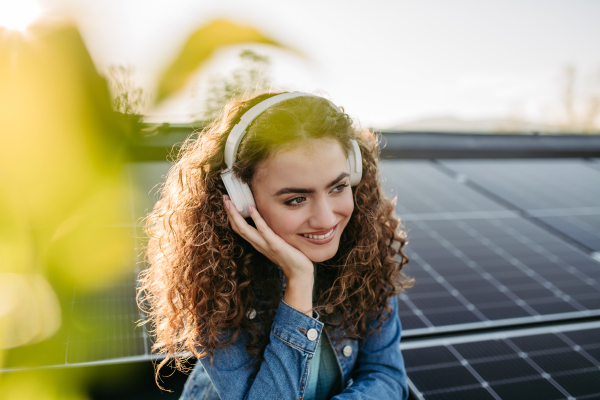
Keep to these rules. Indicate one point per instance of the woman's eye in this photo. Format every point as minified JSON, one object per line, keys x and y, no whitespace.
{"x":340,"y":188}
{"x":296,"y":201}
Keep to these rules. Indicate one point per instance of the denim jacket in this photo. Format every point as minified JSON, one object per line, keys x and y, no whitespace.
{"x":371,"y":368}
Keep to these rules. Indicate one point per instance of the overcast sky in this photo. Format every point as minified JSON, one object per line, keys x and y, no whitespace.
{"x":385,"y":61}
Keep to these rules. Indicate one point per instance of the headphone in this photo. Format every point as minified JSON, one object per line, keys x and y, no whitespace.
{"x":239,"y":192}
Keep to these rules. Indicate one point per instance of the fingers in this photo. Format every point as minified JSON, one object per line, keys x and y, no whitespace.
{"x":241,"y":227}
{"x":273,"y":242}
{"x":260,"y":223}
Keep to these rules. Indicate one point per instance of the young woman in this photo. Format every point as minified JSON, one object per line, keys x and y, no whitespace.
{"x":275,"y":258}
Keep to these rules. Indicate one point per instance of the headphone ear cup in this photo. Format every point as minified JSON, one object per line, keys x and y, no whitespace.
{"x":355,"y":163}
{"x":248,"y":198}
{"x":239,"y":193}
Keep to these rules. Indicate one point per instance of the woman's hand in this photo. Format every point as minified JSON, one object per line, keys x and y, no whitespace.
{"x":296,"y":267}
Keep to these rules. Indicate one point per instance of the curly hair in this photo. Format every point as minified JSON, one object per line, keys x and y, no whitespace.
{"x":203,"y":278}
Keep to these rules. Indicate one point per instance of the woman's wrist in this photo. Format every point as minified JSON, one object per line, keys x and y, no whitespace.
{"x":298,"y":293}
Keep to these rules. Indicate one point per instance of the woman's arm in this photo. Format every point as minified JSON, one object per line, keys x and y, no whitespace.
{"x":296,"y":267}
{"x":379,"y":372}
{"x":283,"y":372}
{"x":294,"y":335}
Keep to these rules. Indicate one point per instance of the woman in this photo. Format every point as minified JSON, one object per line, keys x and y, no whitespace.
{"x":298,"y":299}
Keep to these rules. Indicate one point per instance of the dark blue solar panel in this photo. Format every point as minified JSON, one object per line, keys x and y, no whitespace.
{"x":562,"y":194}
{"x":583,"y":338}
{"x":584,"y":229}
{"x":104,"y":320}
{"x":477,"y":264}
{"x":580,"y":384}
{"x":422,"y":188}
{"x":535,"y":184}
{"x":104,"y":325}
{"x":594,"y":163}
{"x":463,"y":394}
{"x":529,"y":389}
{"x":542,"y":366}
{"x":485,"y":272}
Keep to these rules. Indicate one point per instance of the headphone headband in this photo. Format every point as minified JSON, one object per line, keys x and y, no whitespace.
{"x":238,"y":191}
{"x":239,"y":130}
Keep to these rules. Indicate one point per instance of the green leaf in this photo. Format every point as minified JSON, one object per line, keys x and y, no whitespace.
{"x":198,"y":49}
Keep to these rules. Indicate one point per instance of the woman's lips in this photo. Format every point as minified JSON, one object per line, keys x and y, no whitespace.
{"x":330,"y":234}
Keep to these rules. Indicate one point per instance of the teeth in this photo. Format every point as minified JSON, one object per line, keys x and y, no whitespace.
{"x":318,"y":237}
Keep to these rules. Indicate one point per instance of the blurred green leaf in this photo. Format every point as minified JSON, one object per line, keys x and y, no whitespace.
{"x":62,"y":196}
{"x":200,"y":46}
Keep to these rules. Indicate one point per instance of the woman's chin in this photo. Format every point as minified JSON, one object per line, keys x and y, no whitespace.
{"x":320,"y":255}
{"x":320,"y":259}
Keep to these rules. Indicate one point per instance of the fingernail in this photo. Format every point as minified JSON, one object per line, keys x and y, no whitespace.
{"x":250,"y":208}
{"x":227,"y":204}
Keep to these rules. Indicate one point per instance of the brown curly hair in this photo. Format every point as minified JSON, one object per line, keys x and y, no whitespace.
{"x":203,"y":278}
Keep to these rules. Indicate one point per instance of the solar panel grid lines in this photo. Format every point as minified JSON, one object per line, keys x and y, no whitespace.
{"x":528,"y":272}
{"x":537,"y":368}
{"x":421,"y":188}
{"x":593,"y":163}
{"x":137,"y":261}
{"x":68,"y":341}
{"x":146,"y":179}
{"x":580,"y":350}
{"x":563,"y":195}
{"x":501,"y":312}
{"x":555,"y":362}
{"x":464,"y":215}
{"x":481,"y":263}
{"x":473,"y":372}
{"x":103,"y":325}
{"x":415,"y":312}
{"x":534,"y":184}
{"x":584,"y":229}
{"x":531,"y":272}
{"x":453,"y":292}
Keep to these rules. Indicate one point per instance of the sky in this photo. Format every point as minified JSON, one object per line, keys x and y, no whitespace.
{"x":385,"y":62}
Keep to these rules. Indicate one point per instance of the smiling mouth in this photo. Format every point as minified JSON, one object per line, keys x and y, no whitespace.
{"x":320,"y":237}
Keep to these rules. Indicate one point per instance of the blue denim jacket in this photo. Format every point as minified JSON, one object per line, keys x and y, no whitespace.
{"x":371,"y":368}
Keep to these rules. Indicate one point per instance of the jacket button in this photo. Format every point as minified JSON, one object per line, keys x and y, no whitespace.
{"x":251,"y":314}
{"x":312,"y":334}
{"x":347,"y":351}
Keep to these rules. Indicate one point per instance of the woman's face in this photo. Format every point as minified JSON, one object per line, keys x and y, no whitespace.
{"x":304,"y":195}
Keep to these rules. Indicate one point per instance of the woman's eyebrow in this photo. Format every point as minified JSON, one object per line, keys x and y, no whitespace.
{"x":288,"y":190}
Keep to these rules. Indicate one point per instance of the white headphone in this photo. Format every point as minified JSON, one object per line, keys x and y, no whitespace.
{"x":239,"y":192}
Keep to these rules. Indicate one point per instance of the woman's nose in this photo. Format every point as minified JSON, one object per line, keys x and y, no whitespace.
{"x":323,"y":215}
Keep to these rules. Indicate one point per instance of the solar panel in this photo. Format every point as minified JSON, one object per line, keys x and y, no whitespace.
{"x":104,"y":319}
{"x":104,"y":326}
{"x":582,"y":225}
{"x":145,"y":178}
{"x":534,"y":184}
{"x":477,"y":273}
{"x":477,"y":263}
{"x":543,"y":363}
{"x":424,"y":189}
{"x":562,"y":194}
{"x":594,"y":163}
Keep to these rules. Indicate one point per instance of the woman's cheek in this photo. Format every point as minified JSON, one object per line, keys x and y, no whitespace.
{"x":285,"y":224}
{"x":348,"y":203}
